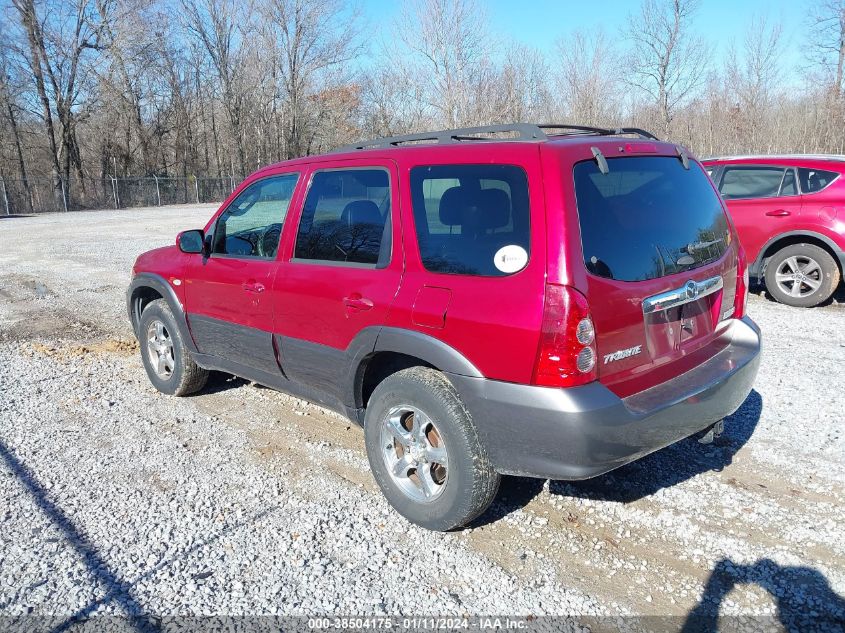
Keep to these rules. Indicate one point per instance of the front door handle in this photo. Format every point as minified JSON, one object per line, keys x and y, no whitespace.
{"x":357,"y":302}
{"x":253,"y":286}
{"x":778,"y":213}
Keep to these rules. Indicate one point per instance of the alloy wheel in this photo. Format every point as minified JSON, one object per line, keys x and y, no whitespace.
{"x":160,"y":349}
{"x":414,"y":453}
{"x":799,"y":276}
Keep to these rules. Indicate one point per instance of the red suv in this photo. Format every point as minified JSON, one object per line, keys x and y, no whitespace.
{"x":555,"y":303}
{"x":789,"y":212}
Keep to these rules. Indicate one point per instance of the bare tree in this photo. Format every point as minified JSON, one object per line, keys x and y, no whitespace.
{"x":827,"y":40}
{"x":36,"y":50}
{"x":10,"y":107}
{"x":394,"y":101}
{"x":218,"y":26}
{"x":126,"y":77}
{"x":827,"y":51}
{"x":518,"y":91}
{"x":312,"y":37}
{"x":450,"y":43}
{"x":58,"y":42}
{"x":93,"y":88}
{"x":666,"y":61}
{"x":752,"y":78}
{"x":588,"y":74}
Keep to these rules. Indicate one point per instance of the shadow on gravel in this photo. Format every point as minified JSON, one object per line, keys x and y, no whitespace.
{"x":219,"y":382}
{"x":838,"y":296}
{"x":118,"y":589}
{"x":805,"y":599}
{"x":644,"y":477}
{"x":672,"y":465}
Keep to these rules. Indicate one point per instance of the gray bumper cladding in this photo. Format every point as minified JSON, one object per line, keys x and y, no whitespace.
{"x":586,"y":431}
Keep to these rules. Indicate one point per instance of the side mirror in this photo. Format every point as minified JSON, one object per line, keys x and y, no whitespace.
{"x":191,"y":241}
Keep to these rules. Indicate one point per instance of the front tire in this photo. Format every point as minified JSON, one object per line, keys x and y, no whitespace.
{"x":802,"y":275}
{"x":425,"y":453}
{"x":168,"y":363}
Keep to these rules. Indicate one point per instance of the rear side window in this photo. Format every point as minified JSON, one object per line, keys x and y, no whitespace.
{"x":471,"y":219}
{"x":754,"y":182}
{"x":346,"y":218}
{"x":789,"y":187}
{"x":813,"y":180}
{"x":648,"y":217}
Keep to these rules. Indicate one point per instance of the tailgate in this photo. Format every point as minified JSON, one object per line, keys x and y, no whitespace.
{"x":662,"y":266}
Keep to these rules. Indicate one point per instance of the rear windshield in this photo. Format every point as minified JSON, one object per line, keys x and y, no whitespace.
{"x":648,"y":217}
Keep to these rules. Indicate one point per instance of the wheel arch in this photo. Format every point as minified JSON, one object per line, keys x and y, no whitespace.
{"x":797,"y":237}
{"x":147,"y":287}
{"x":396,"y":349}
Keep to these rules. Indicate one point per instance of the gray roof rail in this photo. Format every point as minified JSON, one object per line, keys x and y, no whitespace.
{"x":518,"y":132}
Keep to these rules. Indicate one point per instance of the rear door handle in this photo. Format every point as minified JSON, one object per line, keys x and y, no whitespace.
{"x":253,"y":286}
{"x":357,"y":302}
{"x":778,"y":213}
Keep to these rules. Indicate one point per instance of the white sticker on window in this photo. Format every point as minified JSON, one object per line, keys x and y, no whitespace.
{"x":510,"y":258}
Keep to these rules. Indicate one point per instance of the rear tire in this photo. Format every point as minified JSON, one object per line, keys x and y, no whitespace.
{"x":415,"y":418}
{"x":168,"y":363}
{"x":802,"y":275}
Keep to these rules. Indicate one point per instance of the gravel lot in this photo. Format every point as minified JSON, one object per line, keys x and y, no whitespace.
{"x":115,"y":499}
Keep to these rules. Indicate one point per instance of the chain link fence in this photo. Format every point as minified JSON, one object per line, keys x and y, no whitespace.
{"x":43,"y":195}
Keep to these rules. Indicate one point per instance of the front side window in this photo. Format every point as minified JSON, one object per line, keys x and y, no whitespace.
{"x":346,"y":218}
{"x":813,"y":180}
{"x":471,"y":219}
{"x":252,"y":224}
{"x":647,"y":217}
{"x":751,"y":182}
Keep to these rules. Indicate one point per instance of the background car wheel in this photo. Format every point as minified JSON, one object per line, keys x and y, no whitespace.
{"x":424,"y":451}
{"x":802,"y":275}
{"x":169,"y":365}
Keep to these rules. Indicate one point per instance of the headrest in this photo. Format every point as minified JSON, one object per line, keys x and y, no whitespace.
{"x":361,"y":212}
{"x":452,"y":205}
{"x":495,"y":206}
{"x":478,"y":209}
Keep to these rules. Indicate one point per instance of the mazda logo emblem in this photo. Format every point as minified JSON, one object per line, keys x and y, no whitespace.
{"x":692,"y":289}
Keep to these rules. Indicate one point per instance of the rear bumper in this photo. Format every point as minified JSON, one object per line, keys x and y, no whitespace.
{"x":586,"y":431}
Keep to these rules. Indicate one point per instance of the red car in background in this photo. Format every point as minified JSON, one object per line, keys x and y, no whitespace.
{"x":789,"y":212}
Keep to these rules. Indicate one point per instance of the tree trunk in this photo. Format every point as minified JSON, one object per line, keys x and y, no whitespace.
{"x":26,"y":8}
{"x":19,"y":151}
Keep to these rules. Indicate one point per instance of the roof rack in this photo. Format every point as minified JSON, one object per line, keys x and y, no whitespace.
{"x":521,"y":132}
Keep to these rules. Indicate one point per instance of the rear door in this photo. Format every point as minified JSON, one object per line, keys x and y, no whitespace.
{"x":228,"y":295}
{"x":343,"y":270}
{"x":762,"y":201}
{"x":661,"y":267}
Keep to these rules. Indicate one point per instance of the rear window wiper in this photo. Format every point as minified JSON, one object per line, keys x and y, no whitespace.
{"x":700,"y":246}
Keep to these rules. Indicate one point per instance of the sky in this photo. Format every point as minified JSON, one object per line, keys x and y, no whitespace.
{"x":541,"y":22}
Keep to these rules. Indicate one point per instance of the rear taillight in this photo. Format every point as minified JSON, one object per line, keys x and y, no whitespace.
{"x":742,"y":283}
{"x":567,"y":352}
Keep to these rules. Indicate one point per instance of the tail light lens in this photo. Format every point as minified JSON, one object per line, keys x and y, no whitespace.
{"x":566,"y":356}
{"x":742,"y":284}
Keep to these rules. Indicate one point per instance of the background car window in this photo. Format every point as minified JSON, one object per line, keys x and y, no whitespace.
{"x":813,"y":180}
{"x":789,"y":187}
{"x":346,"y":217}
{"x":465,"y":214}
{"x":751,"y":182}
{"x":252,"y":224}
